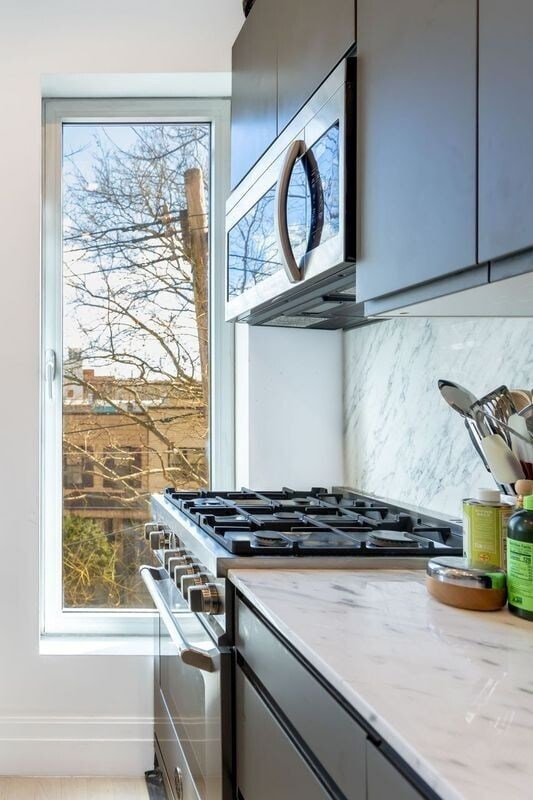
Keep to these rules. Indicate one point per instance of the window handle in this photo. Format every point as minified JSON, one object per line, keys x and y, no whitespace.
{"x":51,"y":368}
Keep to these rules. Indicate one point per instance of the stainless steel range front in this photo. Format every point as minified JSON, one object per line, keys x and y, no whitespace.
{"x":197,"y":537}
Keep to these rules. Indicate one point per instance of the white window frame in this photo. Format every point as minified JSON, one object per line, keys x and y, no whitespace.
{"x":53,"y":618}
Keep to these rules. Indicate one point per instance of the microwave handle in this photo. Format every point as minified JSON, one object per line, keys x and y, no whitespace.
{"x":295,"y":151}
{"x":189,"y":655}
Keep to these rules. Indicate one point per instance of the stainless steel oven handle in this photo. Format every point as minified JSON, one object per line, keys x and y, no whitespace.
{"x":189,"y":655}
{"x":295,"y":151}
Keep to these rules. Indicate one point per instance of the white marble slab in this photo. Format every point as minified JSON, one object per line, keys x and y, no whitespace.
{"x":450,"y":690}
{"x":401,"y":439}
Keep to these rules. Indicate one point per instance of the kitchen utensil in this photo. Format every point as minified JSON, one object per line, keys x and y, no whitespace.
{"x":459,"y":398}
{"x":524,"y":487}
{"x":498,"y":404}
{"x":504,"y":429}
{"x":521,"y":398}
{"x":503,"y":463}
{"x":527,"y":414}
{"x":522,"y":443}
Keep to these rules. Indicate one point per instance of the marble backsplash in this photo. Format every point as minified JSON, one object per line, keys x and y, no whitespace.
{"x":401,"y":439}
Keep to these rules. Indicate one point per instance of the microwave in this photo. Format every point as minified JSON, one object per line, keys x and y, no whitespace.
{"x":291,"y":223}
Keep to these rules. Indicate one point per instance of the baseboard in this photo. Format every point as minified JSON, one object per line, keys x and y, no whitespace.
{"x":62,"y":746}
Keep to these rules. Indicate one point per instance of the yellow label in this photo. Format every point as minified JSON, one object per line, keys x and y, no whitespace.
{"x":485,"y":533}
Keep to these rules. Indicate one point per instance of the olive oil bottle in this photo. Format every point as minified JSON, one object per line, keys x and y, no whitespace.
{"x":520,"y":561}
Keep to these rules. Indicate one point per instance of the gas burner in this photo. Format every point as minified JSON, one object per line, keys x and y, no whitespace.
{"x":386,"y":538}
{"x":268,"y":539}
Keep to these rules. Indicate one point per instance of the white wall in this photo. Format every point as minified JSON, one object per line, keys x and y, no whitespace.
{"x":59,"y":714}
{"x":288,"y":415}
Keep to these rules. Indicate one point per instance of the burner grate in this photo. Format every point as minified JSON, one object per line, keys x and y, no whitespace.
{"x":314,"y":522}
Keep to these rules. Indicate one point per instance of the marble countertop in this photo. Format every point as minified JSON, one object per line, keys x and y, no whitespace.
{"x":450,"y":690}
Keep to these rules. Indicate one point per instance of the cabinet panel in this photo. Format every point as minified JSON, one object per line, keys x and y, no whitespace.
{"x":505,"y":127}
{"x":313,"y":36}
{"x":334,"y":737}
{"x":384,"y":781}
{"x":254,"y":89}
{"x":268,"y":764}
{"x":417,"y":142}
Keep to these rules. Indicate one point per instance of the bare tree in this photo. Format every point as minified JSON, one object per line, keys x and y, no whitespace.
{"x":136,"y":315}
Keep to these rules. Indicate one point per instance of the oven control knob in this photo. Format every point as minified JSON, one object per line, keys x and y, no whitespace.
{"x":160,"y":536}
{"x":156,"y":539}
{"x":198,"y":579}
{"x":179,"y":570}
{"x":174,"y":554}
{"x":174,"y":563}
{"x":149,"y":528}
{"x":205,"y":599}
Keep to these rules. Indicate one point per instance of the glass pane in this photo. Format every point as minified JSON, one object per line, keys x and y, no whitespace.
{"x":298,"y":210}
{"x":135,"y":342}
{"x":324,"y":157}
{"x":252,"y":247}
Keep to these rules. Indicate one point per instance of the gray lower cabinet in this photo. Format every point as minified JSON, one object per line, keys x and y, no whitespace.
{"x":384,"y":782}
{"x":294,"y":739}
{"x":505,"y":127}
{"x":269,"y":767}
{"x":417,"y":74}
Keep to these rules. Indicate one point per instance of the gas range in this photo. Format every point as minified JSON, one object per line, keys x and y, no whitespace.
{"x":313,"y":523}
{"x":198,"y":536}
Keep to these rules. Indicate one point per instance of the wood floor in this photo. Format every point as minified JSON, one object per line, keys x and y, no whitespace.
{"x":73,"y":789}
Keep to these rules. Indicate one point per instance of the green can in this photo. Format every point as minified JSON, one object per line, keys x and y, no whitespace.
{"x":485,"y":520}
{"x":520,"y":561}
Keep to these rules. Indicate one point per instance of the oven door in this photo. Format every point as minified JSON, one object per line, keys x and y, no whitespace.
{"x":190,"y":713}
{"x":289,"y":226}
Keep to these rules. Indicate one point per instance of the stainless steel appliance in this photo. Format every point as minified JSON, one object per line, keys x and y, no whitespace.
{"x":291,"y":223}
{"x":192,"y":691}
{"x":197,"y":537}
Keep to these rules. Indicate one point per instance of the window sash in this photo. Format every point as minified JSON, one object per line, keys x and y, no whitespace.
{"x":53,"y":618}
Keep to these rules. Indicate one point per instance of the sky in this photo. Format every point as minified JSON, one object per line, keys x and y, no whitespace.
{"x":79,"y":153}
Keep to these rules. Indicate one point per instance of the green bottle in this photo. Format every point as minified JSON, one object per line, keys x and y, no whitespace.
{"x":520,"y":561}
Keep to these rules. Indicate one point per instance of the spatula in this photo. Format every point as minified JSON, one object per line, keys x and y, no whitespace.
{"x":503,"y":463}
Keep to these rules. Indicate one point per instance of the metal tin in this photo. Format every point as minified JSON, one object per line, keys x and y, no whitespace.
{"x":485,"y":529}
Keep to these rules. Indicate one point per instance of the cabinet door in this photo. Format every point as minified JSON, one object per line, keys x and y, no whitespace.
{"x":417,"y":141}
{"x":384,"y":782}
{"x":269,"y":767}
{"x":254,"y":89}
{"x":505,"y":127}
{"x":313,"y":36}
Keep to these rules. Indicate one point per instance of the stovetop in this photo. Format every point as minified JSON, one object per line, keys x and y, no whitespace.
{"x":317,"y":522}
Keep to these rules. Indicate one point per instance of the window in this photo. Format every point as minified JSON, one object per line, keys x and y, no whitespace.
{"x":137,"y":361}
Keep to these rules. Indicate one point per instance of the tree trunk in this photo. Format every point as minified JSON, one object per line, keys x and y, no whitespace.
{"x":198,"y":231}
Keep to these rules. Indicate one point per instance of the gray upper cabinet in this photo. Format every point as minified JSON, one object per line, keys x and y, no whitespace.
{"x":417,"y":84}
{"x":313,"y":36}
{"x":505,"y":127}
{"x":285,"y":50}
{"x":254,"y":97}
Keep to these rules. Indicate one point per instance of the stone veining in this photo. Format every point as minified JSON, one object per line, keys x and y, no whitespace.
{"x":401,"y":440}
